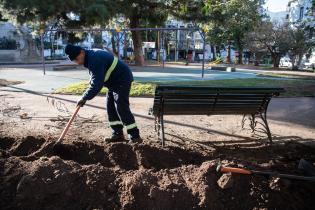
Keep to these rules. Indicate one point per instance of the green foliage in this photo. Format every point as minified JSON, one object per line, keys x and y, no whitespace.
{"x":228,"y":21}
{"x":299,"y":44}
{"x":270,"y":37}
{"x":279,"y":40}
{"x":71,"y":13}
{"x":194,"y":11}
{"x":237,"y":17}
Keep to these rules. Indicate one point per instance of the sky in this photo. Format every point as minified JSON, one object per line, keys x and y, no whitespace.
{"x":276,"y":5}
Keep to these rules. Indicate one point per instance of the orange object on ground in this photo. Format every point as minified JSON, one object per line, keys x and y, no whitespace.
{"x":223,"y":169}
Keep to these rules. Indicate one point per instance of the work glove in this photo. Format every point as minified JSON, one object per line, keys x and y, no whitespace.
{"x":81,"y":102}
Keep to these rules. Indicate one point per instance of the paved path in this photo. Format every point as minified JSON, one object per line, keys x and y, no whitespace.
{"x":34,"y":80}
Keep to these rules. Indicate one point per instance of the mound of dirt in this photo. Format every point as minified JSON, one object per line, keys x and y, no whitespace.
{"x":122,"y":176}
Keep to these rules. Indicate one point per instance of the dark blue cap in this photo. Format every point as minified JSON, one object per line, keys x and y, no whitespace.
{"x":72,"y":51}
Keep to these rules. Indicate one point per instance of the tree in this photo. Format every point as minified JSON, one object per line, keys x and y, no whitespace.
{"x":242,"y":17}
{"x":141,"y":13}
{"x":228,"y":21}
{"x":299,"y":45}
{"x":89,"y":13}
{"x":273,"y":37}
{"x":86,"y":13}
{"x":202,"y":13}
{"x":236,"y":18}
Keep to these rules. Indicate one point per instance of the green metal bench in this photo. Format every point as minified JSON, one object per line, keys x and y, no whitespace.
{"x":206,"y":100}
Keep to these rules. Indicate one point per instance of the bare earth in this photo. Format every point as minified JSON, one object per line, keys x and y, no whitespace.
{"x":96,"y":175}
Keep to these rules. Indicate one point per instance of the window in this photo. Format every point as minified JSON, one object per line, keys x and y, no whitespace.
{"x":301,"y":13}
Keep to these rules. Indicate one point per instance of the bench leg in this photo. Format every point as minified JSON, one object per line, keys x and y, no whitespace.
{"x":243,"y":121}
{"x":253,"y":123}
{"x":158,"y":126}
{"x":263,"y":116}
{"x":162,"y":126}
{"x":156,"y":122}
{"x":265,"y":127}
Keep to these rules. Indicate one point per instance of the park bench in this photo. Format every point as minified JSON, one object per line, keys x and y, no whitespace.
{"x":206,"y":100}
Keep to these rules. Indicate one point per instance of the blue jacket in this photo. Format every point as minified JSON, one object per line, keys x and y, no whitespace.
{"x":98,"y":62}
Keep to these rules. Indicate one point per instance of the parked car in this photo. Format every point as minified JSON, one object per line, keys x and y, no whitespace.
{"x":309,"y":65}
{"x":285,"y":62}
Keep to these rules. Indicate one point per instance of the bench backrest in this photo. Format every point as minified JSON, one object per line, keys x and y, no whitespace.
{"x":205,"y":100}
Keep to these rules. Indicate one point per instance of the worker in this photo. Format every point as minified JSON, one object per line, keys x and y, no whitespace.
{"x":106,"y":70}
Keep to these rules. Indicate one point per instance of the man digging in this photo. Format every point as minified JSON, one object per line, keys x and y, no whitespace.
{"x":107,"y":70}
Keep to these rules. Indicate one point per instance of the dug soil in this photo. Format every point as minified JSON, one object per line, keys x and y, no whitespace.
{"x":95,"y":175}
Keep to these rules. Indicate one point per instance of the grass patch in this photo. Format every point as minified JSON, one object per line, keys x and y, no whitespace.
{"x":137,"y":89}
{"x":294,"y":88}
{"x":284,"y":75}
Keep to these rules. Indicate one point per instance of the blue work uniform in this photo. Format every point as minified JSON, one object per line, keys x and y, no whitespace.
{"x":107,"y":71}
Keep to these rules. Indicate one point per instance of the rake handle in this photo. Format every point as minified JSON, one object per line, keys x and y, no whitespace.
{"x":65,"y":130}
{"x":223,"y":169}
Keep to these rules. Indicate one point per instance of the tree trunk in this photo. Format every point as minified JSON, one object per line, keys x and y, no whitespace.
{"x":228,"y":58}
{"x":137,"y":43}
{"x":275,"y":60}
{"x":299,"y":61}
{"x":113,"y":44}
{"x":293,"y":58}
{"x":213,"y":49}
{"x":240,"y":56}
{"x":257,"y":59}
{"x":240,"y":50}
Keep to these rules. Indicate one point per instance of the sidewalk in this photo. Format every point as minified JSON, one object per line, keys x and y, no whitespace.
{"x":34,"y":80}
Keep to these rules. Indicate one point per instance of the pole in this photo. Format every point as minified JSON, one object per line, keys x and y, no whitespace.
{"x":163,"y":43}
{"x":43,"y":56}
{"x":118,"y":40}
{"x":158,"y":51}
{"x":203,"y":55}
{"x":176,"y":46}
{"x":125,"y":46}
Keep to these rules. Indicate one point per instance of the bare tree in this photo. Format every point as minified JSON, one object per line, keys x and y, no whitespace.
{"x":271,"y":37}
{"x":299,"y":45}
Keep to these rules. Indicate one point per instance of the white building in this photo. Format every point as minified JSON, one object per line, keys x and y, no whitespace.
{"x":302,"y":12}
{"x":25,"y":49}
{"x":186,"y":41}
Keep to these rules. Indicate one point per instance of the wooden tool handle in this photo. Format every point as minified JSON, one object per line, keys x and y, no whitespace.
{"x":223,"y":169}
{"x":64,"y":132}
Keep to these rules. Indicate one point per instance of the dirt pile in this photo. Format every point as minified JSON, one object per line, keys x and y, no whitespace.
{"x":121,"y":176}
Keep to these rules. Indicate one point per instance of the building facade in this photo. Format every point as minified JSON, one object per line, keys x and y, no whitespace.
{"x":302,"y":13}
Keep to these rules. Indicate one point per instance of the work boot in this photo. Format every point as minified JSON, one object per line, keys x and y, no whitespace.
{"x":116,"y":137}
{"x":134,"y":139}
